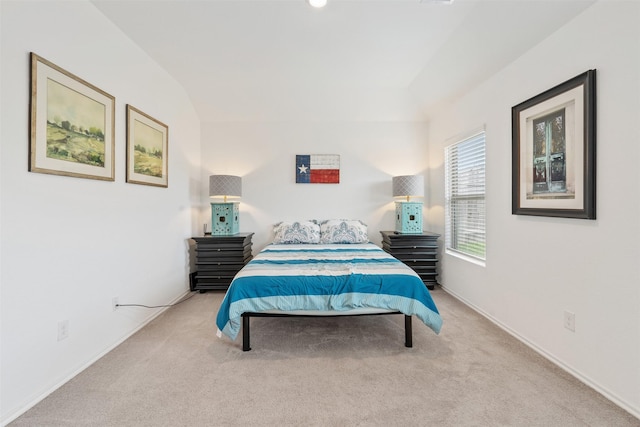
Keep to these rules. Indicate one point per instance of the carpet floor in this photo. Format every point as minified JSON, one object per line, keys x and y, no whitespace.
{"x":324,"y":372}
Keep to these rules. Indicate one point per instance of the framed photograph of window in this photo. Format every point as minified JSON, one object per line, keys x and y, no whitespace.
{"x":147,"y":149}
{"x":554,"y":151}
{"x":71,"y":124}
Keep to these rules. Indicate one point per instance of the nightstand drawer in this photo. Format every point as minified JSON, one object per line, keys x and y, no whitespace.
{"x":221,"y":277}
{"x":419,"y":263}
{"x":422,"y":253}
{"x":222,"y":260}
{"x":218,"y":268}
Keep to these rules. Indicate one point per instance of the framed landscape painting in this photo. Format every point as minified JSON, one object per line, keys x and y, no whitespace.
{"x":71,"y":124}
{"x":147,"y":144}
{"x":554,"y":151}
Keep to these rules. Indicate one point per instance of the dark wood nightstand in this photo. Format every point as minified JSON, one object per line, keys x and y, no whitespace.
{"x":218,"y":259}
{"x":418,"y":251}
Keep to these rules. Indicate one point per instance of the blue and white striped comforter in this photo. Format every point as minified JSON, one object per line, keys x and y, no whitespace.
{"x":325,"y":278}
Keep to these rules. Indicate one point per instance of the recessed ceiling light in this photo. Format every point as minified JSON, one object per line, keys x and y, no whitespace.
{"x":318,"y":3}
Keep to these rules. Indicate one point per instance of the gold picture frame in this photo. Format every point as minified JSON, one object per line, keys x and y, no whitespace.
{"x":71,"y":124}
{"x":147,"y":149}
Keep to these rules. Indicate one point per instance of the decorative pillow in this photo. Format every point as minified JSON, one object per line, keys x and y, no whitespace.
{"x":296,"y":232}
{"x":343,"y":231}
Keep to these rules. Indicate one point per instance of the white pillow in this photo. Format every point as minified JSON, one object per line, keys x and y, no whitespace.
{"x":343,"y":231}
{"x":296,"y":232}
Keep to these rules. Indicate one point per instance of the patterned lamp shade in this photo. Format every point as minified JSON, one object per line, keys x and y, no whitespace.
{"x":225,"y":186}
{"x":408,"y":186}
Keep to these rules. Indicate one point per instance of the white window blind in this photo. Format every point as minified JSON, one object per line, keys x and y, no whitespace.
{"x":465,"y":196}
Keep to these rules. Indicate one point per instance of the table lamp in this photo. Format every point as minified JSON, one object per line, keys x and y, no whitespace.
{"x":408,"y":213}
{"x":224,"y":215}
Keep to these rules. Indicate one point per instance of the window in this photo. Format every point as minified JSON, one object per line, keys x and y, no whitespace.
{"x":465,"y":197}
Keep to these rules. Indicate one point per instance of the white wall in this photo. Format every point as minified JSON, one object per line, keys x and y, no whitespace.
{"x":539,"y":267}
{"x":68,"y":244}
{"x":371,"y":153}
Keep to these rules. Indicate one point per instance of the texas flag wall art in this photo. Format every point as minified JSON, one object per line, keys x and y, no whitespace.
{"x":317,"y":169}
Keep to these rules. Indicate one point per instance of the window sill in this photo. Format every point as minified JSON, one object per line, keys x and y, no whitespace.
{"x":476,"y":261}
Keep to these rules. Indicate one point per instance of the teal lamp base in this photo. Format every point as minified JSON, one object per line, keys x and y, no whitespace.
{"x":409,"y":217}
{"x":224,"y":219}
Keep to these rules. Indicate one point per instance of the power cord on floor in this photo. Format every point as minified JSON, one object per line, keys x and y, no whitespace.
{"x":157,"y":306}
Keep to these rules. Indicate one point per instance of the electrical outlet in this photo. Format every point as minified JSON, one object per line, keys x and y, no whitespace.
{"x":63,"y":330}
{"x":570,"y":321}
{"x":114,"y":303}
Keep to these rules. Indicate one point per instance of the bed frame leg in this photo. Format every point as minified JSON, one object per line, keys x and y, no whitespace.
{"x":245,"y":333}
{"x":408,"y":334}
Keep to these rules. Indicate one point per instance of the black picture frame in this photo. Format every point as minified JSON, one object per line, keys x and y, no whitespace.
{"x":554,"y":151}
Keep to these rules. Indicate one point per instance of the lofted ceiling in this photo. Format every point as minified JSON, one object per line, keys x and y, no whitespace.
{"x":276,"y":60}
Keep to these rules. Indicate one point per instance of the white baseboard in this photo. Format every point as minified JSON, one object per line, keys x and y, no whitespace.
{"x":577,"y":374}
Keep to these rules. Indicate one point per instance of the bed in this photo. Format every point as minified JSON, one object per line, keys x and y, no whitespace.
{"x":324,"y":279}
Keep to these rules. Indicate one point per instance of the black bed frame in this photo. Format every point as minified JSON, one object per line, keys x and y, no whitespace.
{"x":408,"y":335}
